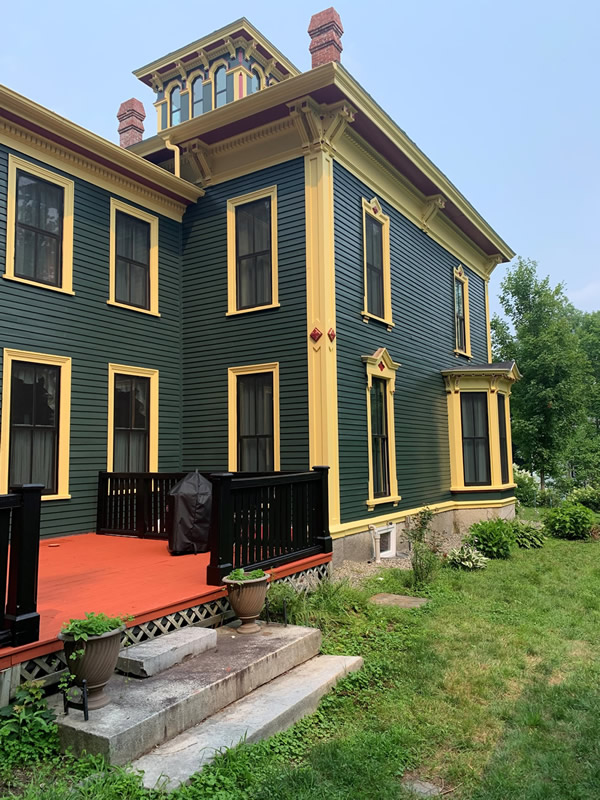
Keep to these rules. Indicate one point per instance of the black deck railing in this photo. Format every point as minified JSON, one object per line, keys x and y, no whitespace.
{"x":258,"y":520}
{"x":19,"y":560}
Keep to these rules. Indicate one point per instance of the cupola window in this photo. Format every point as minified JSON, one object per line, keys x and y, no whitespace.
{"x":197,"y":97}
{"x":220,"y":87}
{"x":176,"y":106}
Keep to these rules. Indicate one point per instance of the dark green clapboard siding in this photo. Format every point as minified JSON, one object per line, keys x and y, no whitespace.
{"x":422,"y":341}
{"x":93,"y":334}
{"x":213,"y":342}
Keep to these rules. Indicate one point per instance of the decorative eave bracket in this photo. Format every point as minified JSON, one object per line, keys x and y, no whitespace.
{"x":320,"y":126}
{"x":432,"y":204}
{"x":196,"y":162}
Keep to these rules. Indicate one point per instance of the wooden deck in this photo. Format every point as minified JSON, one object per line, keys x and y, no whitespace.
{"x":118,"y":575}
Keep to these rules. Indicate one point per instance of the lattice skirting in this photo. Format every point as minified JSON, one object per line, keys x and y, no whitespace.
{"x":207,"y":615}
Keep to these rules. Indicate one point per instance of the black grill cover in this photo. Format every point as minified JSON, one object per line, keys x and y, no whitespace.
{"x":190,"y":501}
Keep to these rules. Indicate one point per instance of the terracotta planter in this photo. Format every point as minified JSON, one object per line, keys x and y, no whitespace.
{"x":96,"y":665}
{"x":247,"y":599}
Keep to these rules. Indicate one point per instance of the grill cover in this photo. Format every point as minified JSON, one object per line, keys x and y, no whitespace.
{"x":190,"y":501}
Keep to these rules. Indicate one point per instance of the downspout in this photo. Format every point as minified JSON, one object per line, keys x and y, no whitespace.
{"x":177,"y":156}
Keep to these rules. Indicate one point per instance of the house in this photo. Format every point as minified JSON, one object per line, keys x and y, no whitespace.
{"x":278,"y":279}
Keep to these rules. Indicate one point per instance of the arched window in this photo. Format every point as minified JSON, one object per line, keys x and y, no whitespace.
{"x":197,"y":97}
{"x":220,"y":80}
{"x":255,"y":82}
{"x":176,"y":106}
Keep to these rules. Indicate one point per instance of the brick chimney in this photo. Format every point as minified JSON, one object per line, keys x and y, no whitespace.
{"x":325,"y":31}
{"x":131,"y":118}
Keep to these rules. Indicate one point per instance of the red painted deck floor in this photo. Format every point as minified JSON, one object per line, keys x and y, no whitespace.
{"x":117,"y":575}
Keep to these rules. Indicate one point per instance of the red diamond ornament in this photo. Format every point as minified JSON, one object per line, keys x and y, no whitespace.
{"x":381,"y":366}
{"x":315,"y":334}
{"x":331,"y":334}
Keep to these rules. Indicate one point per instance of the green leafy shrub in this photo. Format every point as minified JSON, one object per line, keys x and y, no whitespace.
{"x":28,"y":731}
{"x":548,"y":498}
{"x":466,"y":557}
{"x":424,"y":549}
{"x":494,"y":538}
{"x":527,"y":536}
{"x":240,"y":575}
{"x":588,"y":496}
{"x":569,"y":521}
{"x":526,"y":488}
{"x":93,"y":624}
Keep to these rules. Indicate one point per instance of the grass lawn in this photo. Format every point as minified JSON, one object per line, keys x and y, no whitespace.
{"x":492,"y":691}
{"x":530,"y":514}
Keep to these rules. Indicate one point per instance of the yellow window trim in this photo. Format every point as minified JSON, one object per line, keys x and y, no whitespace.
{"x":381,"y":365}
{"x":491,"y":385}
{"x":15,"y":163}
{"x":461,"y":277}
{"x":373,"y":209}
{"x":232,"y":204}
{"x":153,"y":426}
{"x":64,"y":417}
{"x":132,"y":211}
{"x":252,"y":369}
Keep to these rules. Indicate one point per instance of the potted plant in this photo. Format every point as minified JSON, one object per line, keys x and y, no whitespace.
{"x":92,"y":647}
{"x":247,"y":592}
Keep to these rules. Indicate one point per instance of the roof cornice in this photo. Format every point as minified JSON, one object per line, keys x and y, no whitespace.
{"x":21,"y":112}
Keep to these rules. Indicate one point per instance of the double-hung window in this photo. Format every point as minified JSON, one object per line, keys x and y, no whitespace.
{"x":377,"y":267}
{"x":133,"y":258}
{"x":252,"y":251}
{"x":254,"y":418}
{"x":380,"y":453}
{"x":39,"y":231}
{"x":475,"y":438}
{"x":197,"y":97}
{"x":220,"y":86}
{"x":36,"y":404}
{"x":175,"y":104}
{"x":461,"y":313}
{"x":503,"y":437}
{"x":132,"y":419}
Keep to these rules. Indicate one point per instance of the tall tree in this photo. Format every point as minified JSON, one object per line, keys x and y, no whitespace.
{"x":540,"y":334}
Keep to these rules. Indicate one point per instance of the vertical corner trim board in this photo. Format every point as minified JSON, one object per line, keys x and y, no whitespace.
{"x":320,"y":310}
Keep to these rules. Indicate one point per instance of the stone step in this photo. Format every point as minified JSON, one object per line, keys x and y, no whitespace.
{"x":146,"y":713}
{"x":266,"y":711}
{"x":156,"y":655}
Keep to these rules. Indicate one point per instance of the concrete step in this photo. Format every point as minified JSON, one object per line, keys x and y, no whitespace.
{"x":266,"y":711}
{"x":146,"y":713}
{"x":156,"y":655}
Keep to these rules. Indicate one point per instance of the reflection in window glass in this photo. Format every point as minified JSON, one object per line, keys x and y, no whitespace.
{"x":176,"y":106}
{"x":39,"y":228}
{"x":220,"y":87}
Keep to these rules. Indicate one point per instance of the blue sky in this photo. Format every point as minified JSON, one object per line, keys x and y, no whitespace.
{"x":503,"y":97}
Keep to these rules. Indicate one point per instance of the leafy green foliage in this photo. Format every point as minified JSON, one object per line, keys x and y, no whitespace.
{"x":588,"y":496}
{"x":526,"y":489}
{"x":93,"y":624}
{"x":569,"y":521}
{"x":549,"y":497}
{"x":424,"y":549}
{"x":466,"y":557}
{"x":240,"y":575}
{"x":28,"y":731}
{"x":492,"y":537}
{"x":527,"y":536}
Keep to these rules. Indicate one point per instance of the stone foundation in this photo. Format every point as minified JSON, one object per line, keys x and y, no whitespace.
{"x":449,"y":528}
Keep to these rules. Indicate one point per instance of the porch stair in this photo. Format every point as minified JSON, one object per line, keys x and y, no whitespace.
{"x":202,"y":699}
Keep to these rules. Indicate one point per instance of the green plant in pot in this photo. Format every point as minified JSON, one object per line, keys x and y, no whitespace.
{"x":247,"y":592}
{"x":92,"y":647}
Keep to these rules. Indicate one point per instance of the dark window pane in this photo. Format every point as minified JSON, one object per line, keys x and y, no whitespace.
{"x":475,"y":438}
{"x":132,"y":279}
{"x":374,"y":250}
{"x":503,"y":438}
{"x":33,"y":455}
{"x":253,"y":252}
{"x":254,"y":82}
{"x":131,"y":424}
{"x":255,"y":422}
{"x":379,"y":438}
{"x":38,"y":232}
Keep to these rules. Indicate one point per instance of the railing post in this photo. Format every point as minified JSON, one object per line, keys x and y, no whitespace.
{"x":101,"y":521}
{"x":21,"y":607}
{"x":4,"y":539}
{"x":221,"y":529}
{"x":323,"y":536}
{"x":140,"y":507}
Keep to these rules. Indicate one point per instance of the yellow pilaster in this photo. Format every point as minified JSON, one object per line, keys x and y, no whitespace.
{"x":320,"y":306}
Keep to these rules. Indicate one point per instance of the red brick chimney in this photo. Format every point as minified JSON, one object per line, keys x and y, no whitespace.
{"x":131,"y":118}
{"x":325,"y":31}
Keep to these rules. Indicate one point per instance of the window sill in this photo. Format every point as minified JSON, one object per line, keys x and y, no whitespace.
{"x":39,"y":285}
{"x":366,"y":315}
{"x":147,"y":311}
{"x":46,"y":497}
{"x":462,"y":353}
{"x":250,"y":310}
{"x":377,"y":501}
{"x":501,"y":487}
